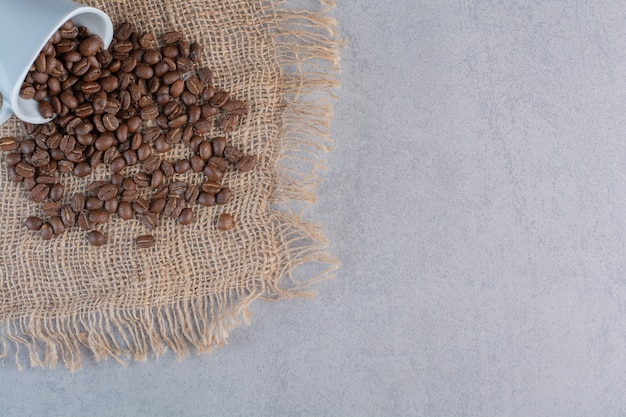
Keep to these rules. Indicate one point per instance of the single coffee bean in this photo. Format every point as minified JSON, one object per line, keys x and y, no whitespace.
{"x":144,"y":151}
{"x":83,"y":221}
{"x":65,"y":167}
{"x":45,"y":109}
{"x":45,"y":179}
{"x":151,"y":163}
{"x":56,"y":192}
{"x":170,"y":206}
{"x":27,"y":91}
{"x":197,"y":163}
{"x":157,"y":205}
{"x":161,"y":192}
{"x":211,"y":187}
{"x":206,"y":75}
{"x":223,"y":196}
{"x":125,"y":210}
{"x":145,"y":241}
{"x":219,"y":144}
{"x":225,"y":222}
{"x":33,"y":223}
{"x":206,"y":200}
{"x":152,"y":57}
{"x":142,"y":179}
{"x":96,"y":238}
{"x":77,"y":203}
{"x":149,"y":112}
{"x":235,"y":107}
{"x":110,"y":205}
{"x":184,"y":64}
{"x":25,"y":169}
{"x":140,"y":205}
{"x":145,"y":40}
{"x":219,"y":162}
{"x":150,"y":220}
{"x":13,"y":159}
{"x":46,"y":231}
{"x":27,"y":146}
{"x":182,"y":166}
{"x":117,"y":165}
{"x":84,"y":110}
{"x":40,"y":158}
{"x":170,"y":77}
{"x":195,"y":51}
{"x":157,"y":179}
{"x":229,"y":123}
{"x":67,"y":144}
{"x":171,"y":37}
{"x":109,"y":84}
{"x":51,"y":208}
{"x":93,"y":203}
{"x":192,"y":193}
{"x":246,"y":163}
{"x":39,"y":193}
{"x":129,"y":184}
{"x":128,"y":65}
{"x":170,"y":51}
{"x":82,"y":169}
{"x":110,"y":155}
{"x":91,"y":46}
{"x":186,"y":216}
{"x":178,"y":188}
{"x":177,"y":88}
{"x":98,"y":216}
{"x":233,"y":154}
{"x":13,"y":175}
{"x":167,"y":168}
{"x":178,"y":121}
{"x":144,"y":72}
{"x":129,"y":195}
{"x":107,"y":191}
{"x":194,"y":85}
{"x":9,"y":143}
{"x":219,"y":99}
{"x":212,"y":173}
{"x":68,"y":216}
{"x":57,"y":225}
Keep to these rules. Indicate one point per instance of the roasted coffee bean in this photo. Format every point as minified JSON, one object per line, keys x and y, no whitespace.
{"x":110,"y":155}
{"x":128,"y":65}
{"x":186,"y":216}
{"x":117,"y":165}
{"x":33,"y":223}
{"x":157,"y":179}
{"x":67,"y":143}
{"x":27,"y":91}
{"x":161,"y":145}
{"x":46,"y":231}
{"x":57,"y":225}
{"x":91,"y":46}
{"x":144,"y":151}
{"x":167,"y":168}
{"x":13,"y":175}
{"x":77,"y":203}
{"x":211,"y":187}
{"x":51,"y":208}
{"x":83,"y":221}
{"x":195,"y":51}
{"x":68,"y":216}
{"x":229,"y":123}
{"x":130,"y":157}
{"x":178,"y":188}
{"x":140,"y":205}
{"x":40,"y":158}
{"x":98,"y":216}
{"x":125,"y":210}
{"x":142,"y":179}
{"x":177,"y":122}
{"x":182,"y":166}
{"x":192,"y":193}
{"x":149,"y":112}
{"x":107,"y":191}
{"x":219,"y":162}
{"x":161,"y":192}
{"x":223,"y":197}
{"x":95,"y":159}
{"x":202,"y":127}
{"x":151,"y":163}
{"x":65,"y":167}
{"x":225,"y":222}
{"x":157,"y":205}
{"x":56,"y":192}
{"x":150,"y":220}
{"x":13,"y":159}
{"x":45,"y":179}
{"x":82,"y":169}
{"x":219,"y":144}
{"x":212,"y":173}
{"x":9,"y":143}
{"x":45,"y":109}
{"x":235,"y":107}
{"x":145,"y":241}
{"x":24,"y":169}
{"x":93,"y":203}
{"x":246,"y":163}
{"x":129,"y":195}
{"x":145,"y":40}
{"x":177,"y":88}
{"x":170,"y":51}
{"x":170,"y":206}
{"x":39,"y":193}
{"x":96,"y":238}
{"x":129,"y":184}
{"x":219,"y":99}
{"x":197,"y":163}
{"x":170,"y":77}
{"x":184,"y":64}
{"x":205,"y":74}
{"x":205,"y":150}
{"x":27,"y":146}
{"x":171,"y":37}
{"x":84,"y":110}
{"x":233,"y":154}
{"x":194,"y":85}
{"x":206,"y":200}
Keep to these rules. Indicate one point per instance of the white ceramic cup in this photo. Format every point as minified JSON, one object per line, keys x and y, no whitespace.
{"x":25,"y":27}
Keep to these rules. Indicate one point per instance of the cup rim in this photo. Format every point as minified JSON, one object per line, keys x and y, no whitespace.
{"x":16,"y":101}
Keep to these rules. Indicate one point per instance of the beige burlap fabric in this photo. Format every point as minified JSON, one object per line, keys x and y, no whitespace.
{"x":66,"y":301}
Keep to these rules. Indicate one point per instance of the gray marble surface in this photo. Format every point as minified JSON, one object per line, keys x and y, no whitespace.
{"x":476,"y":200}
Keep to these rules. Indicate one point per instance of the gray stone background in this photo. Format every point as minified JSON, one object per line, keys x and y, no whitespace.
{"x":476,"y":201}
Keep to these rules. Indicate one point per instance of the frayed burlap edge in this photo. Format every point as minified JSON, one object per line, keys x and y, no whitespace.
{"x":307,"y":51}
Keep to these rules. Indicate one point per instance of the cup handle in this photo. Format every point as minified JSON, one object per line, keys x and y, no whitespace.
{"x":5,"y":111}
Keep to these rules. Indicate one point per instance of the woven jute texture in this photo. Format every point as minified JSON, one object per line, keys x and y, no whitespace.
{"x":64,"y":301}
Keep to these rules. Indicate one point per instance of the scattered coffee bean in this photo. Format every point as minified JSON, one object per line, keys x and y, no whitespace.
{"x":145,"y":241}
{"x":33,"y":223}
{"x":96,"y":238}
{"x":225,"y":222}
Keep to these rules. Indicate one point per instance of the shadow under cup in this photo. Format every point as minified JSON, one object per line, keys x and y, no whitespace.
{"x":18,"y":53}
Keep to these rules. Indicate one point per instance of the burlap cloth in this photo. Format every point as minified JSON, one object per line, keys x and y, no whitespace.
{"x":66,"y":301}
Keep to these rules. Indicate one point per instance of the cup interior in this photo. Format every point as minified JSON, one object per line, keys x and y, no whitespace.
{"x":96,"y":21}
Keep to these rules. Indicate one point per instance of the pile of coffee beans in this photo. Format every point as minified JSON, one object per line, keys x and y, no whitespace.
{"x":124,"y":107}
